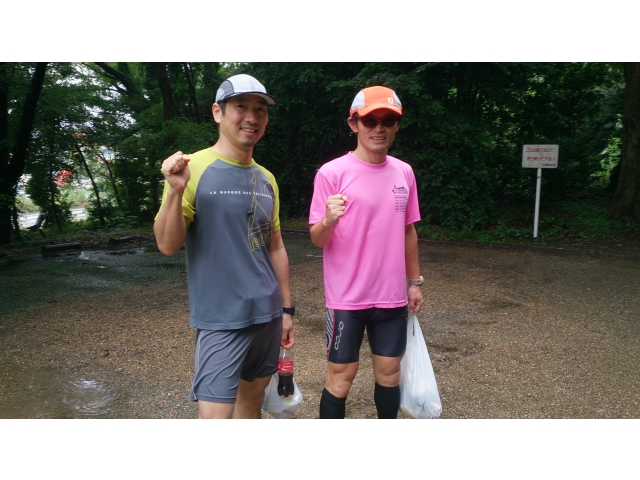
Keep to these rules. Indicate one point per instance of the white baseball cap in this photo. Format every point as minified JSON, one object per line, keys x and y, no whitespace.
{"x":242,"y":84}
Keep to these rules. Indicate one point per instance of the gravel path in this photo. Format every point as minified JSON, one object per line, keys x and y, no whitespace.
{"x":512,"y":332}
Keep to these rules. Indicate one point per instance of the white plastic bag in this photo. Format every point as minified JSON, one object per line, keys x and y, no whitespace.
{"x":419,"y":396}
{"x":277,"y":406}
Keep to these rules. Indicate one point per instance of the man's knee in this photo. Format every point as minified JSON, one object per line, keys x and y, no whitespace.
{"x":214,"y":409}
{"x":388,"y":380}
{"x":250,"y":398}
{"x":386,"y":370}
{"x":252,"y":393}
{"x":340,"y":378}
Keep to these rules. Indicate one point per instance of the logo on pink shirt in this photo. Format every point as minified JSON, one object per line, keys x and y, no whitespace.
{"x":402,"y":196}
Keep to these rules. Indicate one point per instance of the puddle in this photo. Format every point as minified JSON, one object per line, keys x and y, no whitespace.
{"x":50,"y":394}
{"x":87,"y":398}
{"x":36,"y":279}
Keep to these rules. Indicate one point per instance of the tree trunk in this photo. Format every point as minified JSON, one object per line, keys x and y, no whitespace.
{"x":12,"y":166}
{"x":625,"y":203}
{"x":192,"y":92}
{"x":168,"y":104}
{"x":52,"y":201}
{"x":7,"y":188}
{"x":96,"y":192}
{"x":168,"y":113}
{"x":15,"y":219}
{"x":211,"y":79}
{"x":112,"y":180}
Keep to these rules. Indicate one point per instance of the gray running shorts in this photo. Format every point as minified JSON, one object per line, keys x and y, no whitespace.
{"x":386,"y":332}
{"x":223,"y":357}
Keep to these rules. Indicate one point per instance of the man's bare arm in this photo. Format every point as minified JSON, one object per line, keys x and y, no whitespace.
{"x":170,"y":227}
{"x":412,"y":266}
{"x":280,"y":262}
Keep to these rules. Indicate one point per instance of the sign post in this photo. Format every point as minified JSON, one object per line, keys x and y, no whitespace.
{"x":539,"y":156}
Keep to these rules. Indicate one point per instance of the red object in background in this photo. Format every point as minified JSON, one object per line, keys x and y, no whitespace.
{"x":61,"y":177}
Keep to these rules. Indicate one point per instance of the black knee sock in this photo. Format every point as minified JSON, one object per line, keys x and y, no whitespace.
{"x":387,"y":401}
{"x":330,"y":406}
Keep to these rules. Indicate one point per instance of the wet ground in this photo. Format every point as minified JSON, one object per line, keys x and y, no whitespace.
{"x":513,"y":332}
{"x":42,"y":288}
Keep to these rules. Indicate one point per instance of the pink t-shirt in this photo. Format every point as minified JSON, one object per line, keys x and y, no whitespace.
{"x":364,"y":263}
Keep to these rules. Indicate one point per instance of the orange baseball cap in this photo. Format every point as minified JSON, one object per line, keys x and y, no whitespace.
{"x":375,"y":98}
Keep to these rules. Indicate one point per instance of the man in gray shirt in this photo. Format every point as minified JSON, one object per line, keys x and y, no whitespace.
{"x":226,"y":208}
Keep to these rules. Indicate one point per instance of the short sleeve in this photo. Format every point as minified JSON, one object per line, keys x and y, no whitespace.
{"x":322,"y":189}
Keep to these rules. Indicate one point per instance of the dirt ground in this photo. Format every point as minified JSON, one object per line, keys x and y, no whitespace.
{"x":513,"y":333}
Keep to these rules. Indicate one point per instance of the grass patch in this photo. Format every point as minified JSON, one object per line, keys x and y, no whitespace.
{"x":571,"y":221}
{"x":301,"y":223}
{"x":83,"y":231}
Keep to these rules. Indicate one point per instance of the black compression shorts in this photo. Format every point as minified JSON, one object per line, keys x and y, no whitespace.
{"x":386,"y":331}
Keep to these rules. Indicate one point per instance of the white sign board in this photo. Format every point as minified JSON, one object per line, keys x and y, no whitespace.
{"x":540,"y":156}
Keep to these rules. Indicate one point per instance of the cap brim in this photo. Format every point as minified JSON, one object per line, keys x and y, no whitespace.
{"x":270,"y":100}
{"x":372,"y":108}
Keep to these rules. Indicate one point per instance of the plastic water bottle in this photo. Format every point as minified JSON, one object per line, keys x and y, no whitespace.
{"x":285,"y":372}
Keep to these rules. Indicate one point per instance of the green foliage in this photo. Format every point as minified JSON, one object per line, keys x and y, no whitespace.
{"x":572,"y":221}
{"x":24,"y":204}
{"x":50,"y":199}
{"x":308,"y":126}
{"x":462,"y":132}
{"x":107,"y":210}
{"x":456,"y":197}
{"x":140,"y":140}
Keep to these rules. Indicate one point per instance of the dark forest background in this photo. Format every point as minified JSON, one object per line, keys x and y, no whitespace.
{"x":106,"y":127}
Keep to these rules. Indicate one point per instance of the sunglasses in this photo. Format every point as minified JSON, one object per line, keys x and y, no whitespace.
{"x":372,"y":122}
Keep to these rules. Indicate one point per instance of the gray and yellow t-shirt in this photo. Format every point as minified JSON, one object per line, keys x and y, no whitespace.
{"x":231,"y":210}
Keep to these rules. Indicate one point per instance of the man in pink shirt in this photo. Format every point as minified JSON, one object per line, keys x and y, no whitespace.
{"x":362,"y":214}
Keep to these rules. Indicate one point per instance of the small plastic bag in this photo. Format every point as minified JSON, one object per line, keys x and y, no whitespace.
{"x":419,"y":397}
{"x":277,"y":406}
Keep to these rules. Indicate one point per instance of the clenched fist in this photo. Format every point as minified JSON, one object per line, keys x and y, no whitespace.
{"x":336,"y":205}
{"x":176,"y":171}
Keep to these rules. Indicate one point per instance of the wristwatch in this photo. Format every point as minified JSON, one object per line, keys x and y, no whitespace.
{"x":289,"y":311}
{"x":416,"y":281}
